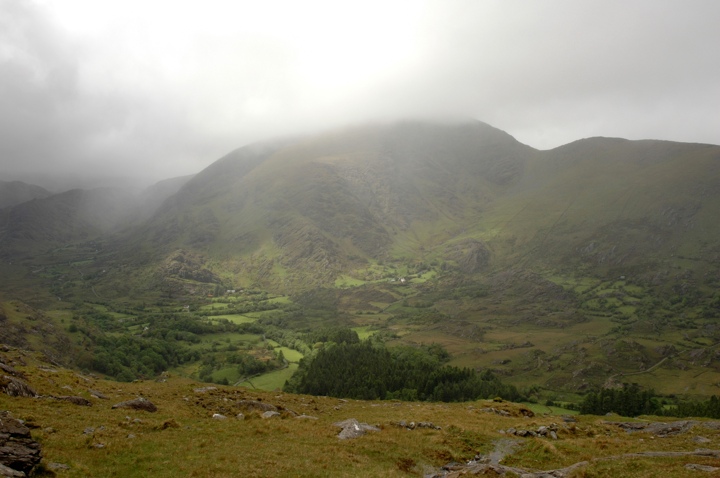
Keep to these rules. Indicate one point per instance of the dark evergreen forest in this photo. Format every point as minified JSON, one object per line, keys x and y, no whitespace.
{"x":368,"y":371}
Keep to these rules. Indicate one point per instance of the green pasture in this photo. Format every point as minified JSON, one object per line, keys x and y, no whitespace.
{"x":345,"y":281}
{"x":365,"y":331}
{"x":291,"y":355}
{"x":234,"y":318}
{"x":273,"y":380}
{"x":223,"y":339}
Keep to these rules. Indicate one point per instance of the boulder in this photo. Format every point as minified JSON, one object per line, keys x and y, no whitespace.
{"x":256,"y":405}
{"x":139,"y":403}
{"x":75,"y":400}
{"x":696,"y":467}
{"x":204,"y":389}
{"x":16,"y":387}
{"x":9,"y":472}
{"x":18,"y":451}
{"x":11,"y":371}
{"x":660,"y":429}
{"x":351,"y":428}
{"x":97,"y":394}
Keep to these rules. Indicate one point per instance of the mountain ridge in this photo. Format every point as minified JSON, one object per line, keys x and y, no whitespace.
{"x":13,"y":193}
{"x":423,"y":184}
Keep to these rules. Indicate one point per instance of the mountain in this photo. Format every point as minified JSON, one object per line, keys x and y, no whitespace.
{"x":614,"y":207}
{"x":316,"y":207}
{"x":78,"y":215}
{"x":306,"y":211}
{"x":16,"y":192}
{"x":153,"y":196}
{"x":62,"y":219}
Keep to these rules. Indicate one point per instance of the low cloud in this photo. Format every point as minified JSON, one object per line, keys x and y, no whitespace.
{"x":155,"y":89}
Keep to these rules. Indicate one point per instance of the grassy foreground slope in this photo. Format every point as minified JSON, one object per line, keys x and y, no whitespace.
{"x":183,"y":439}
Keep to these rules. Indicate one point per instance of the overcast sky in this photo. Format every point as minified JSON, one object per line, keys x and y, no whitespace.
{"x":163,"y":88}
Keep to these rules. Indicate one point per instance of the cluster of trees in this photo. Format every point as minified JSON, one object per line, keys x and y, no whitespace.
{"x":628,"y":401}
{"x":337,"y":335}
{"x":159,"y":342}
{"x":241,"y":308}
{"x":364,"y":370}
{"x":128,"y":358}
{"x":247,"y":366}
{"x":709,"y":408}
{"x":631,"y":401}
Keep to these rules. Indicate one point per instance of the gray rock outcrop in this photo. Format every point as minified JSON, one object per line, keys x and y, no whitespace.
{"x":256,"y":405}
{"x":351,"y":428}
{"x":16,"y":387}
{"x":139,"y":403}
{"x":18,"y":451}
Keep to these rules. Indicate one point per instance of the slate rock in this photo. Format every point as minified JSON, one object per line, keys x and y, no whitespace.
{"x":659,"y":429}
{"x":670,"y":429}
{"x":351,"y":428}
{"x":204,"y":389}
{"x":9,"y":472}
{"x":75,"y":400}
{"x":18,"y":451}
{"x":430,"y":425}
{"x":696,"y":467}
{"x":270,"y":414}
{"x":139,"y":403}
{"x":16,"y":387}
{"x":11,"y":371}
{"x":252,"y":405}
{"x":97,"y":394}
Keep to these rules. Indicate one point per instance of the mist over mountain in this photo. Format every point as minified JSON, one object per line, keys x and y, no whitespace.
{"x":303,"y":211}
{"x":16,"y":192}
{"x":35,"y":219}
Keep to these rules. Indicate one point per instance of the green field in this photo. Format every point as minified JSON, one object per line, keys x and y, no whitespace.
{"x":273,"y":380}
{"x":234,"y":318}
